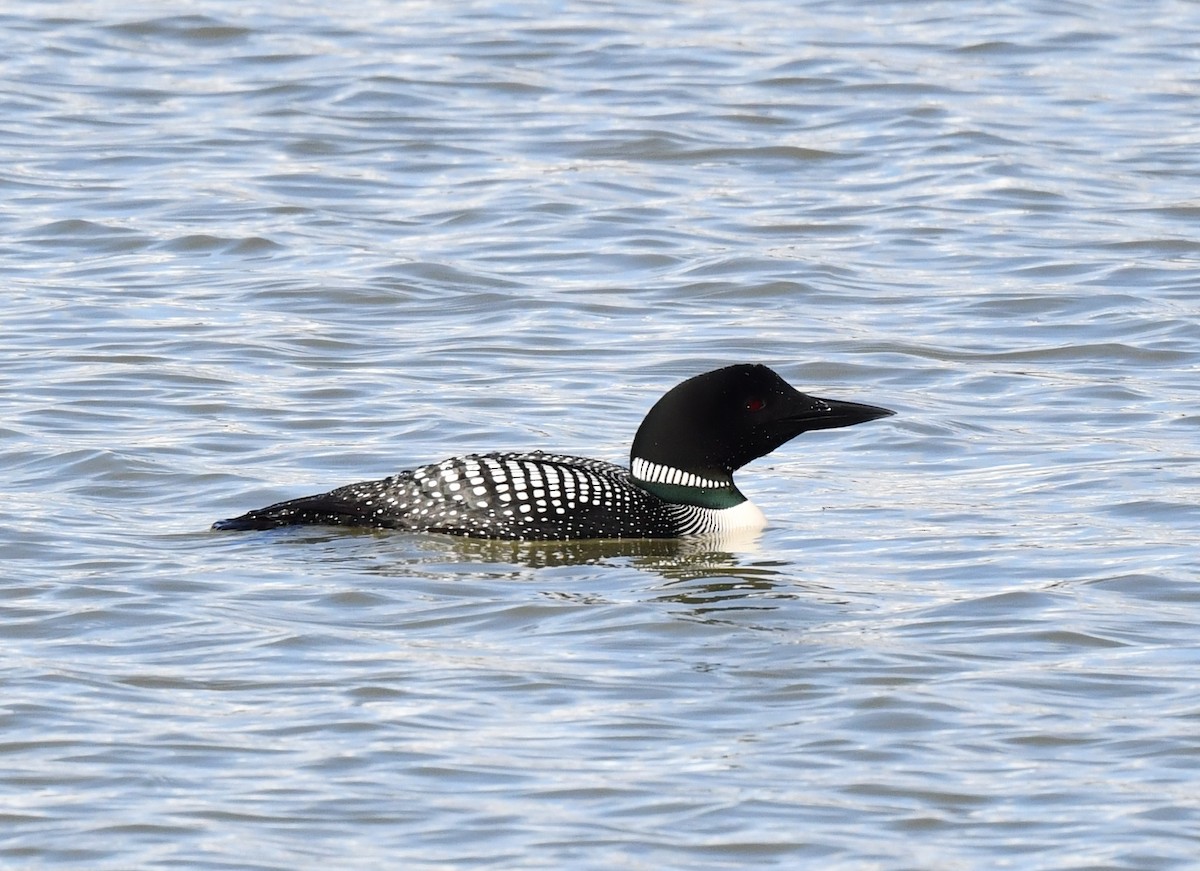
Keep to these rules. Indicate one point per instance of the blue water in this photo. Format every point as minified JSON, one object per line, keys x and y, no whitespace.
{"x":250,"y":254}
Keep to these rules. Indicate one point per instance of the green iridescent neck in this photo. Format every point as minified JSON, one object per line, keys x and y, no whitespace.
{"x":703,"y":497}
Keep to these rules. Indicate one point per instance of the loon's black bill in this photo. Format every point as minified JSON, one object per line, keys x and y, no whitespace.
{"x":835,"y":413}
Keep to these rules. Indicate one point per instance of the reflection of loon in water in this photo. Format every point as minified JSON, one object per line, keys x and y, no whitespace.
{"x":700,"y":577}
{"x":680,"y":480}
{"x":674,"y":557}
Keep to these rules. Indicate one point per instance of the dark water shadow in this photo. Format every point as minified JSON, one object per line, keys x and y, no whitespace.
{"x":701,"y":579}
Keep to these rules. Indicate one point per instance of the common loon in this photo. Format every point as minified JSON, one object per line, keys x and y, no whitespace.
{"x":679,"y":483}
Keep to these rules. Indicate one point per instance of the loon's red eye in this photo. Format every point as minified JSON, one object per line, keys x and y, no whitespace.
{"x":755,"y":404}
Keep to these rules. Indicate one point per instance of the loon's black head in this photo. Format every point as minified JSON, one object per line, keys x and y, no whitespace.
{"x":713,"y":424}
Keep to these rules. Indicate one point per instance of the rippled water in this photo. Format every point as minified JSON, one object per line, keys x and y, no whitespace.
{"x":251,"y":254}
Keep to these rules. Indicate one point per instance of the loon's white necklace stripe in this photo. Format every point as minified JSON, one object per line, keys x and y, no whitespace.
{"x":644,"y":470}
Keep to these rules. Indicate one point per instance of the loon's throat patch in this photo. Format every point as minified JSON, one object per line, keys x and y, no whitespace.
{"x":655,"y":473}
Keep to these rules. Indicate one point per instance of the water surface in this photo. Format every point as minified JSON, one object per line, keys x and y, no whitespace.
{"x":250,"y":254}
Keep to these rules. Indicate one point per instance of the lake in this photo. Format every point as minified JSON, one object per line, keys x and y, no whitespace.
{"x":252,"y":253}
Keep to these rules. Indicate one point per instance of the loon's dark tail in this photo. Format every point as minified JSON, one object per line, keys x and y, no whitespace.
{"x":325,"y":509}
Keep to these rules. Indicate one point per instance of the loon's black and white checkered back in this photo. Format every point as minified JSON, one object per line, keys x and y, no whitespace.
{"x":531,"y":496}
{"x":526,"y":495}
